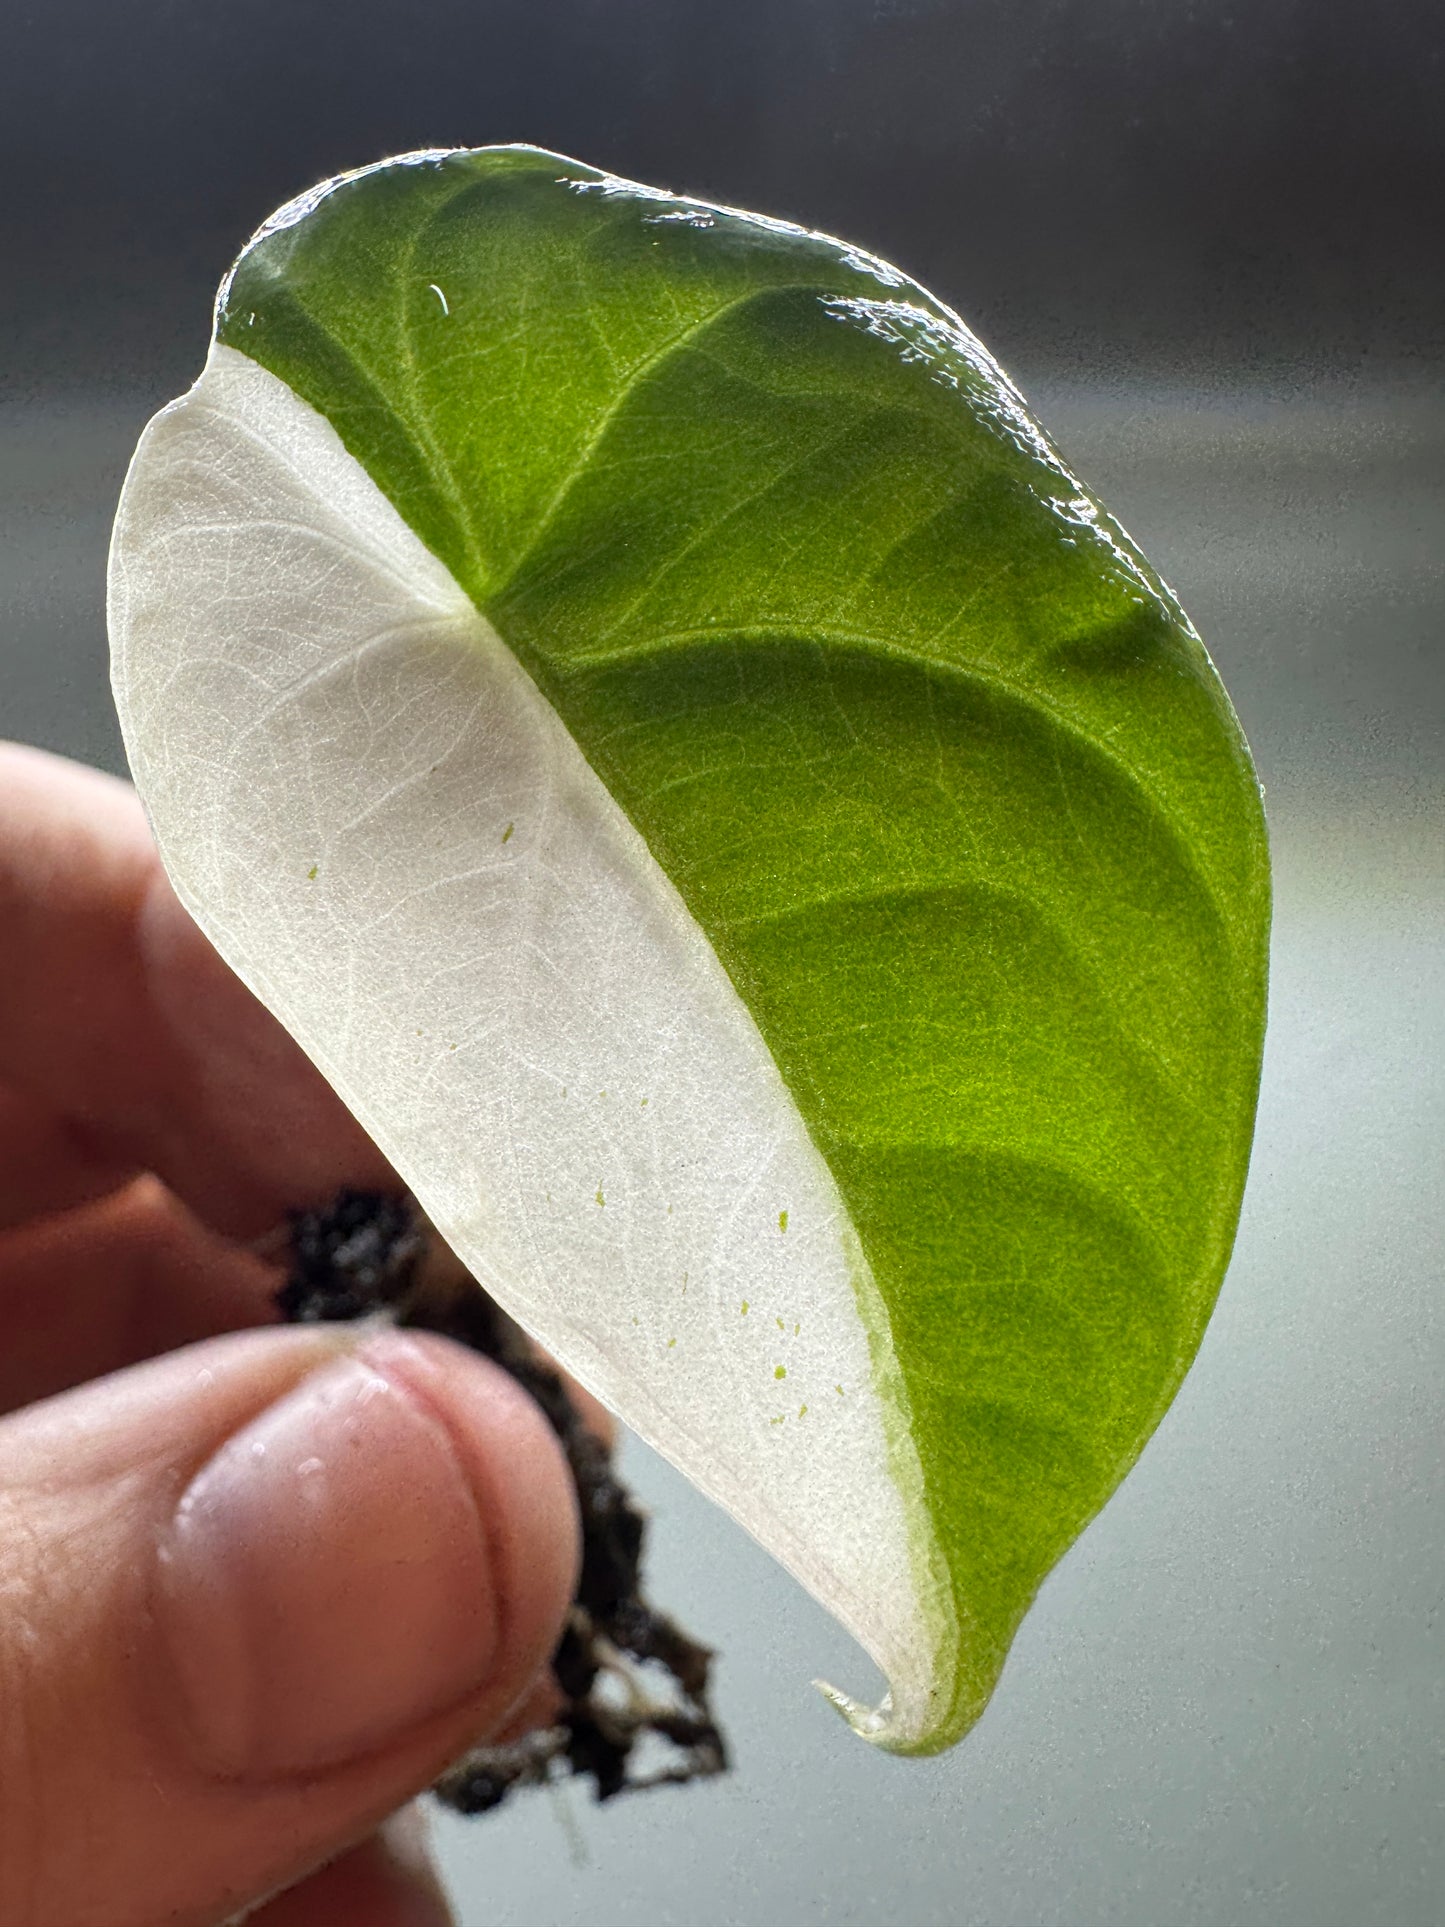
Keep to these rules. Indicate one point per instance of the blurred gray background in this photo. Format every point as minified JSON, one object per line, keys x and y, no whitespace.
{"x":1207,"y":240}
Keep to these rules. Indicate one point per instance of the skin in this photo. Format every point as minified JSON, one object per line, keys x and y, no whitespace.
{"x":209,"y":1693}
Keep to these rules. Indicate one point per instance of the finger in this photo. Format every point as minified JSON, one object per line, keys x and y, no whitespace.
{"x":115,"y":1012}
{"x":388,"y":1881}
{"x":88,"y":1291}
{"x":50,"y":1162}
{"x":255,"y":1596}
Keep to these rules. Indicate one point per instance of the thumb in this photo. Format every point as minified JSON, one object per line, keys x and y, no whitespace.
{"x":252,"y":1597}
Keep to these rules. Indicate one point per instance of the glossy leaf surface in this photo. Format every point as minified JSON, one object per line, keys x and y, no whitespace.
{"x":933,"y":762}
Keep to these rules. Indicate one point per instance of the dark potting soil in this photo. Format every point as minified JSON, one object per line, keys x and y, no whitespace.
{"x":634,"y":1707}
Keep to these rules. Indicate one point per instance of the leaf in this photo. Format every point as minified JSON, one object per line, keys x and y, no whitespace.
{"x":631,"y":687}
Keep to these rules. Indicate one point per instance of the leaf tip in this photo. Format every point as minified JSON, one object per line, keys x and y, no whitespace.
{"x":915,"y":1727}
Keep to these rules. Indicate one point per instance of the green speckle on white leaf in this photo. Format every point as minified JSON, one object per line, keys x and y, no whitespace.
{"x":883,"y":809}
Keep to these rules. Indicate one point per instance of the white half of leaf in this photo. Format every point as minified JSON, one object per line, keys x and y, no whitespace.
{"x":388,"y":833}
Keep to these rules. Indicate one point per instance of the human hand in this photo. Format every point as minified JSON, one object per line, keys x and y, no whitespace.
{"x":259,"y":1590}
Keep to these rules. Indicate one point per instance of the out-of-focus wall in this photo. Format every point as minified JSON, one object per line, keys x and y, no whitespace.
{"x":1085,"y":178}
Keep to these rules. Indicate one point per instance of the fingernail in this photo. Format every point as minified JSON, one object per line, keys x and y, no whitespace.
{"x":325,"y":1582}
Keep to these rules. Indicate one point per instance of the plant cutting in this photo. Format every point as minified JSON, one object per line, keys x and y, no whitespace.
{"x":630,"y":686}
